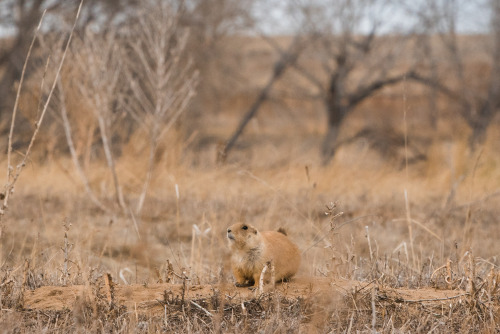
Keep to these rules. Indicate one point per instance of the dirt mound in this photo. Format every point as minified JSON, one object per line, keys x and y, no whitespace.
{"x":151,"y":298}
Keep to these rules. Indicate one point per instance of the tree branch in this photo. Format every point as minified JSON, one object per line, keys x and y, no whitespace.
{"x":365,"y":92}
{"x":287,"y":59}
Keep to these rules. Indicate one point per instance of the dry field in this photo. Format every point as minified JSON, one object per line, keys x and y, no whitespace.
{"x":386,"y":246}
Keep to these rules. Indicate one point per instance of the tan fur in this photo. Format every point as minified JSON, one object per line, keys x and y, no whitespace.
{"x":251,"y":250}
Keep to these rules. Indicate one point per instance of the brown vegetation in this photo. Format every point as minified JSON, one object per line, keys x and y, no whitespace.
{"x":114,"y":228}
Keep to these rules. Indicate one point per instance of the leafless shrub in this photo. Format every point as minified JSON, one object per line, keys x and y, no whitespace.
{"x":99,"y":60}
{"x":143,"y":70}
{"x":160,"y":73}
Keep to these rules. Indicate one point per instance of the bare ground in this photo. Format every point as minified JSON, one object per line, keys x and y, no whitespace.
{"x":151,"y":298}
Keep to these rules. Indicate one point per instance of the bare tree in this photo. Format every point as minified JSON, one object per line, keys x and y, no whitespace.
{"x":470,"y":77}
{"x":356,"y":62}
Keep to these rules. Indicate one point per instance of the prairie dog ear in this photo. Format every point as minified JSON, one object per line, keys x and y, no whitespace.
{"x":282,"y":231}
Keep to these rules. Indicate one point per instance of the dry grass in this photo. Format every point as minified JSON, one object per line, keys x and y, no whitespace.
{"x":271,"y":183}
{"x":429,"y":227}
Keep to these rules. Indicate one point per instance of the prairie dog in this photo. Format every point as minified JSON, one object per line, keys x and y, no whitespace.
{"x":251,"y":250}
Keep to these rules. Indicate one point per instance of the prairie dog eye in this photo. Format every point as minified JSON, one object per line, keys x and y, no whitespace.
{"x":245,"y":227}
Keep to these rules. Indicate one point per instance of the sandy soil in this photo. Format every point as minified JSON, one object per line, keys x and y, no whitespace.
{"x":148,"y":298}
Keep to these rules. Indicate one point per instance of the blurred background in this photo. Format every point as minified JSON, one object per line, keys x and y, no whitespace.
{"x":171,"y":120}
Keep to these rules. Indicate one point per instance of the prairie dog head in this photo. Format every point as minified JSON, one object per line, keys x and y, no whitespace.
{"x":243,"y":236}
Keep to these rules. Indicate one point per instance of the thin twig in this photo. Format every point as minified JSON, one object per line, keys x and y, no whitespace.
{"x":16,"y":103}
{"x":374,"y":309}
{"x":479,"y":201}
{"x":202,"y":308}
{"x":416,"y":222}
{"x":410,"y":229}
{"x":434,"y":299}
{"x":369,"y":242}
{"x":467,"y":232}
{"x":337,"y":228}
{"x":9,"y":185}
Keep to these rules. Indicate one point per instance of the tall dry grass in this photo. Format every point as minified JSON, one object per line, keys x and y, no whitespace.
{"x":454,"y":230}
{"x":432,"y":223}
